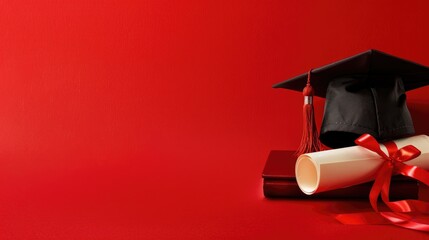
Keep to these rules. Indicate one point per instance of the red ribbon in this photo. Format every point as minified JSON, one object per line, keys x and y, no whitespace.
{"x":408,"y":213}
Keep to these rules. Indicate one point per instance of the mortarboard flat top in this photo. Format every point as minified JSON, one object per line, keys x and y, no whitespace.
{"x":371,"y":62}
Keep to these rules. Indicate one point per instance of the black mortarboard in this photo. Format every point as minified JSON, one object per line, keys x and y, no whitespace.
{"x":364,"y":93}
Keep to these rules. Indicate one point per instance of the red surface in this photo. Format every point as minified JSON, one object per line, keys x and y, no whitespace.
{"x":153,"y":119}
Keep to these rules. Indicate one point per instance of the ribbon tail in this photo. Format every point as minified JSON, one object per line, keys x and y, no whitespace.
{"x":410,"y":221}
{"x":382,"y":177}
{"x":408,"y":213}
{"x":362,"y":218}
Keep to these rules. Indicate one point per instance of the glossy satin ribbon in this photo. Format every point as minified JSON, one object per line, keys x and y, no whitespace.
{"x":412,"y":214}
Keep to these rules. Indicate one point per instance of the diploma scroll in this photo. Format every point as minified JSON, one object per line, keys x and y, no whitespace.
{"x":344,"y":167}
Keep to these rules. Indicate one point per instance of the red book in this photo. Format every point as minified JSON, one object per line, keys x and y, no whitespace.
{"x":280,"y":182}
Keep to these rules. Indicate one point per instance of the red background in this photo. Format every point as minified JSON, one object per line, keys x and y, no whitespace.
{"x":153,"y":119}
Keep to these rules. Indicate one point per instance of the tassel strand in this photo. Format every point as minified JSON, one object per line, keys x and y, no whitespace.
{"x":310,"y":137}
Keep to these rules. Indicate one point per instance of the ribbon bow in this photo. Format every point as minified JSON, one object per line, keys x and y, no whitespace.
{"x":405,"y":213}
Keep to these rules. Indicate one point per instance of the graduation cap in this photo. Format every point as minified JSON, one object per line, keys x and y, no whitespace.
{"x":364,"y":93}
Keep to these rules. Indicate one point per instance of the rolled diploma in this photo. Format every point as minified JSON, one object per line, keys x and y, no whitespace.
{"x":343,"y":167}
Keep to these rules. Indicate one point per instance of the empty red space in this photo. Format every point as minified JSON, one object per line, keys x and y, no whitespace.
{"x":153,"y":119}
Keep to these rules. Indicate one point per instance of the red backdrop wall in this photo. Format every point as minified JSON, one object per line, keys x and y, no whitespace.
{"x":153,"y":119}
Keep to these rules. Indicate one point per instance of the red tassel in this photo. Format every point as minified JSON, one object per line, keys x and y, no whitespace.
{"x":310,"y":137}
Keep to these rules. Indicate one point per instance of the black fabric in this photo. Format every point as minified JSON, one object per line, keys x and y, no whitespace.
{"x":358,"y":104}
{"x":372,"y":61}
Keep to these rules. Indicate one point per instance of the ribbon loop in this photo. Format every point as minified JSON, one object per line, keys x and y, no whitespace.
{"x":406,"y":153}
{"x":369,"y":142}
{"x":403,"y":212}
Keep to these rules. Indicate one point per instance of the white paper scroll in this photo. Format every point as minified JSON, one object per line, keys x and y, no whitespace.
{"x":343,"y":167}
